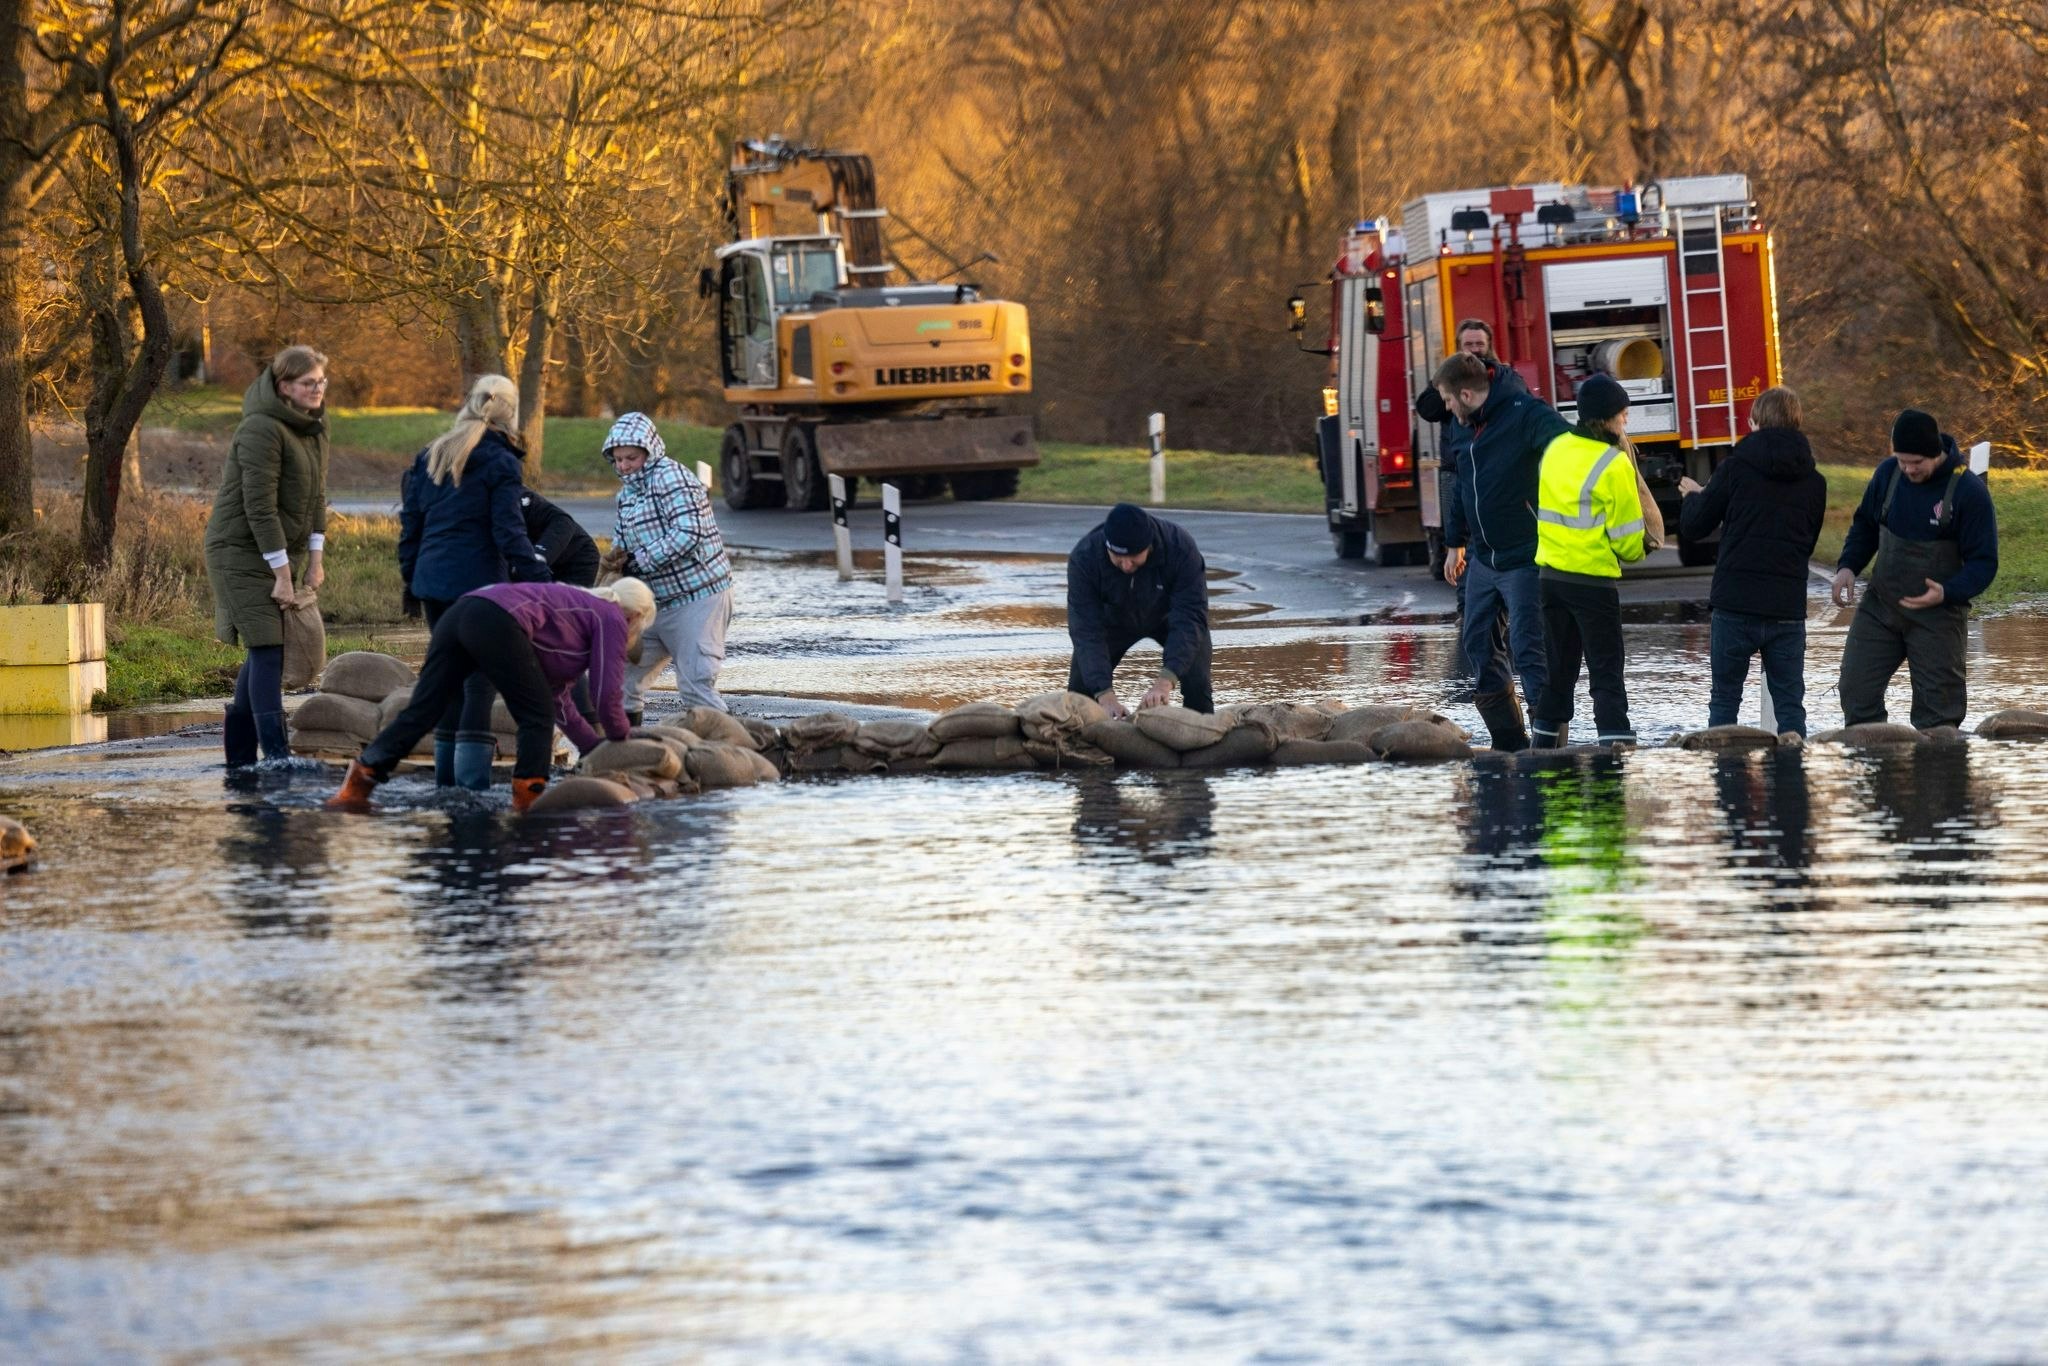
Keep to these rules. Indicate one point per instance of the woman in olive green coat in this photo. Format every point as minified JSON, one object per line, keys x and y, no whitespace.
{"x":270,"y":510}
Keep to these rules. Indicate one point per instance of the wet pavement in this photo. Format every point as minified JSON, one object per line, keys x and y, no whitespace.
{"x":1665,"y":1056}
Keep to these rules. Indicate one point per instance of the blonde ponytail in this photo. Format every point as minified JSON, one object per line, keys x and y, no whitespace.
{"x":493,"y":403}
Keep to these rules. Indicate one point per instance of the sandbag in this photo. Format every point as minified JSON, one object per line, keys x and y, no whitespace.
{"x":1180,"y":729}
{"x":580,"y":794}
{"x":396,"y":701}
{"x":1871,"y":733}
{"x":675,"y":735}
{"x":1418,"y":742}
{"x":1304,"y":753}
{"x":895,"y":740}
{"x":998,"y":752}
{"x":305,"y":641}
{"x":720,"y":765}
{"x":338,"y":712}
{"x":1330,"y":706}
{"x":1728,"y":738}
{"x":765,"y":735}
{"x":765,"y":770}
{"x":821,"y":731}
{"x":1052,"y":717}
{"x":501,"y":718}
{"x":1359,"y":723}
{"x":1073,"y":752}
{"x":17,"y":845}
{"x":365,"y":674}
{"x":1946,"y":735}
{"x":325,"y":742}
{"x":976,"y":721}
{"x":836,"y":759}
{"x":910,"y":765}
{"x":652,"y":757}
{"x":1288,"y":720}
{"x":1244,"y":745}
{"x":2014,"y":724}
{"x":719,"y":727}
{"x":1128,"y":745}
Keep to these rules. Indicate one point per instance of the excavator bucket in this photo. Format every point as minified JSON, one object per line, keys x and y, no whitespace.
{"x":939,"y":445}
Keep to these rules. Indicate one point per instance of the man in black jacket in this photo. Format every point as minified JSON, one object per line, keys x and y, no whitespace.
{"x":1768,"y":500}
{"x":1496,"y":517}
{"x":1475,"y":338}
{"x":1138,"y":577}
{"x":571,"y":555}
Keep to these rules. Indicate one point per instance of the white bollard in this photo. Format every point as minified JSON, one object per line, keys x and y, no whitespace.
{"x":1766,"y":710}
{"x":1157,"y":426}
{"x":892,"y":538}
{"x":704,"y":473}
{"x":842,"y":539}
{"x":1980,"y":459}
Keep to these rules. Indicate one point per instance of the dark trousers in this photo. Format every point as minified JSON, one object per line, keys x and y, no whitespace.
{"x":1489,"y":594}
{"x":475,"y":637}
{"x":1735,"y":637}
{"x":1581,"y":621}
{"x":256,"y":712}
{"x":468,"y":716}
{"x":1467,"y":666}
{"x":1931,"y":642}
{"x":1194,"y":684}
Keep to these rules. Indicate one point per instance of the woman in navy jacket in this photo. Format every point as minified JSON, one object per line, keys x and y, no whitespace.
{"x":461,"y":527}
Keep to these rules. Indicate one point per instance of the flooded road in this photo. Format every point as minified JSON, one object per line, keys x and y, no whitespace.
{"x":1664,"y":1056}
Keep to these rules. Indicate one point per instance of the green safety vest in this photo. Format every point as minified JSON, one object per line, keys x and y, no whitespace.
{"x":1588,"y":517}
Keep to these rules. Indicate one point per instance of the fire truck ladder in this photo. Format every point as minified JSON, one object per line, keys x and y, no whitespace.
{"x":1706,"y":337}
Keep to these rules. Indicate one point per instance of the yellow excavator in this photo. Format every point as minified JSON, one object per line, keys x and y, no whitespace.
{"x":837,"y":369}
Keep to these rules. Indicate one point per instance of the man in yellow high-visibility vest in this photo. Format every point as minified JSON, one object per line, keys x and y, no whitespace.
{"x":1589,"y":523}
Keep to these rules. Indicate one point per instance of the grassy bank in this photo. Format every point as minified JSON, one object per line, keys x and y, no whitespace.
{"x":2021,"y":498}
{"x":1194,"y":479}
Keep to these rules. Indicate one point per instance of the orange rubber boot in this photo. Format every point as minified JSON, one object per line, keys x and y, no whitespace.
{"x":355,"y":789}
{"x":525,"y":791}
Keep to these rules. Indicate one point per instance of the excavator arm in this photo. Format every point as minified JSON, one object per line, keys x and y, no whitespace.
{"x":775,"y":188}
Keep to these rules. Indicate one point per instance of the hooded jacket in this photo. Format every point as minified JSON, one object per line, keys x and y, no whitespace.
{"x":1916,"y":516}
{"x":272,"y":500}
{"x":571,"y":555}
{"x":1768,"y":500}
{"x":1457,"y":437}
{"x":573,"y":632}
{"x":455,"y":537}
{"x":1166,"y":600}
{"x":1495,"y":511}
{"x":664,"y":520}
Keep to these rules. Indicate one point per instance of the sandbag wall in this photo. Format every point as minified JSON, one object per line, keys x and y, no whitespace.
{"x":362,"y":692}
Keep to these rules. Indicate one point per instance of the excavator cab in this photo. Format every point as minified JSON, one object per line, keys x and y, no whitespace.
{"x":759,"y":281}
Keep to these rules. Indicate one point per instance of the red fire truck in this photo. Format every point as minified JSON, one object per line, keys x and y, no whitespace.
{"x":1669,"y":289}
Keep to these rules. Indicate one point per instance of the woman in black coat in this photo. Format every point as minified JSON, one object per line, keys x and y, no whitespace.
{"x":1768,"y":500}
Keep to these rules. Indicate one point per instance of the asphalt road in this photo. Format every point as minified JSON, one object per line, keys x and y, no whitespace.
{"x":1283,"y":559}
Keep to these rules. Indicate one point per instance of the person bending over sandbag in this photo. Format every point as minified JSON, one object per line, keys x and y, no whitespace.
{"x":1139,"y":577}
{"x":533,"y":641}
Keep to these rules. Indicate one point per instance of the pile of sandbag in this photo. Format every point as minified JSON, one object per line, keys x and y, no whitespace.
{"x":704,"y":749}
{"x":351,"y":706}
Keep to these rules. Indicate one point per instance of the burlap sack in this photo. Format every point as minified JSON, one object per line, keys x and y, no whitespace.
{"x":17,"y":845}
{"x":836,"y":759}
{"x":1180,"y":729}
{"x":822,"y":731}
{"x":675,"y":735}
{"x":580,"y":794}
{"x":1055,"y":716}
{"x":387,"y":712}
{"x":1946,"y":735}
{"x":720,"y":727}
{"x":652,"y":757}
{"x":910,"y":765}
{"x":325,"y":742}
{"x":1870,"y":733}
{"x":365,"y":674}
{"x":719,"y":765}
{"x":1360,"y":722}
{"x":765,"y":735}
{"x":1129,"y":746}
{"x":1244,"y":745}
{"x":1330,"y":706}
{"x":895,"y":740}
{"x":764,"y":770}
{"x":1728,"y":738}
{"x":1418,"y":742}
{"x":338,"y":712}
{"x":976,"y":721}
{"x":998,"y":752}
{"x":1073,"y":752}
{"x":2014,"y":724}
{"x":1287,"y":720}
{"x":1304,"y":753}
{"x":501,"y":719}
{"x":305,"y":641}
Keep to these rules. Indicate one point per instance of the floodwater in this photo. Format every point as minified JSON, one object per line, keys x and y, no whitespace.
{"x":1667,"y":1056}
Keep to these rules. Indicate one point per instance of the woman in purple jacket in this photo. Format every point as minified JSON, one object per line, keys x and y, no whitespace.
{"x":533,"y":641}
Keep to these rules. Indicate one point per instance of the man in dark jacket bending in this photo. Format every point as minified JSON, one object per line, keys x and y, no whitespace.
{"x":1930,"y":523}
{"x":1138,"y":577}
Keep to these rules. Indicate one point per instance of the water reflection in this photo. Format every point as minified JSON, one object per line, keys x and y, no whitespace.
{"x":1162,"y":818}
{"x":278,"y":869}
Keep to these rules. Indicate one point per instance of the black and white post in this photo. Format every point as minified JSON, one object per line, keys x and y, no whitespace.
{"x":892,"y":538}
{"x":842,"y":538}
{"x":1157,"y":426}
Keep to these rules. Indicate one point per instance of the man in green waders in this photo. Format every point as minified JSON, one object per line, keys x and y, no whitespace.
{"x":1930,"y":523}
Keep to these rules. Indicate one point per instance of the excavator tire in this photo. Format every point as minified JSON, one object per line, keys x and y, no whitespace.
{"x":804,"y":486}
{"x":742,"y":489}
{"x":923,"y":485}
{"x":982,"y":485}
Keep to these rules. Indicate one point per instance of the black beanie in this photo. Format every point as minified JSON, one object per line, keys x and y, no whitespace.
{"x":1127,"y":530}
{"x":1916,"y":433}
{"x":1601,"y":398}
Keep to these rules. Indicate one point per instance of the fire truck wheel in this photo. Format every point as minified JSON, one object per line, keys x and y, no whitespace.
{"x":1694,"y":554}
{"x":742,"y":489}
{"x":804,"y":487}
{"x":1350,"y":545}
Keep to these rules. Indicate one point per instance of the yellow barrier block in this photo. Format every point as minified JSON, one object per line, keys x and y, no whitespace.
{"x":67,"y":633}
{"x":49,"y":732}
{"x":46,"y":688}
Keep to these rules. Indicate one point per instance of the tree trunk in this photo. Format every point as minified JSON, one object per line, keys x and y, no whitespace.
{"x":479,"y":336}
{"x":578,"y":393}
{"x":533,"y":370}
{"x":17,"y":458}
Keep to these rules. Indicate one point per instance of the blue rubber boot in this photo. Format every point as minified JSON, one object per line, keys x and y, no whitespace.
{"x":238,"y":737}
{"x":473,"y":761}
{"x":444,"y":763}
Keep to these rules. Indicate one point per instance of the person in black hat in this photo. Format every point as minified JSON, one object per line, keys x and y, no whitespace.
{"x":1139,"y":577}
{"x":1930,"y":523}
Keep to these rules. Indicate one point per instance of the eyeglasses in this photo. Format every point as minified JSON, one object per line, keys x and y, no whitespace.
{"x":308,"y":383}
